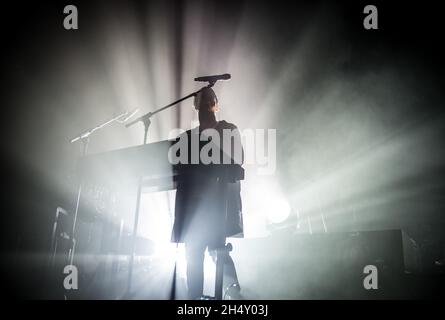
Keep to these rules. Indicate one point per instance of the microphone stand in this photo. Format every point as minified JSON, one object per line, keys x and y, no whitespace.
{"x":84,"y":138}
{"x":145,"y":119}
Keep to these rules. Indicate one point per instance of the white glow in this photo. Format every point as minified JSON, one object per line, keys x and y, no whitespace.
{"x":209,"y":275}
{"x":166,"y":254}
{"x":263,"y":203}
{"x":278,"y":210}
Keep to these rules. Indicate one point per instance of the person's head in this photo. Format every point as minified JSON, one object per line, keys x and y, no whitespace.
{"x":206,"y":101}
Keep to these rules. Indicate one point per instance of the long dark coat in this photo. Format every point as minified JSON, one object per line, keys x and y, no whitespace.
{"x":207,"y":208}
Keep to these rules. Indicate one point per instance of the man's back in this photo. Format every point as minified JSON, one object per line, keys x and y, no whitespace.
{"x":208,"y":207}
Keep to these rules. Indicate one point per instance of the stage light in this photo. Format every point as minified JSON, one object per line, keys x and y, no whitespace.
{"x":278,"y":210}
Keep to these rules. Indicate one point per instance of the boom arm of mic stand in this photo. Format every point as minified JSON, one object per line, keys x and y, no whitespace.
{"x":87,"y":133}
{"x":148,"y":115}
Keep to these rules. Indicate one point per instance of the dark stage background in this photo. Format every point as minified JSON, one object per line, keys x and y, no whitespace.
{"x":359,"y":115}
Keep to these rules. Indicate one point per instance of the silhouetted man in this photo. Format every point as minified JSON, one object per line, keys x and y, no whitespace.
{"x":208,"y":206}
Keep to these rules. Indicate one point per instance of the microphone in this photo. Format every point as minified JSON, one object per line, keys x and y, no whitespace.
{"x":213,"y":79}
{"x":128,"y":115}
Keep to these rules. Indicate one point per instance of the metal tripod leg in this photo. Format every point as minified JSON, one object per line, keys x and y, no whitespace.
{"x":221,"y":258}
